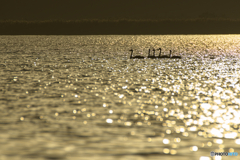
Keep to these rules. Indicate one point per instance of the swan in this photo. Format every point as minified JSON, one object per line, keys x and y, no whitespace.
{"x":136,"y":57}
{"x":149,"y":56}
{"x":164,"y":56}
{"x":174,"y":57}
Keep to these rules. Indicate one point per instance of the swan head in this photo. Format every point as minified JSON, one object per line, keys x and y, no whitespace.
{"x":153,"y":49}
{"x":131,"y":50}
{"x":159,"y":49}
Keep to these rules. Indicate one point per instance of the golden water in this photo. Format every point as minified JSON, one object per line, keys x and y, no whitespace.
{"x":81,"y":97}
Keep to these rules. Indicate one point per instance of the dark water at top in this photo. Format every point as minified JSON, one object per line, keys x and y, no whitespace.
{"x":81,"y":97}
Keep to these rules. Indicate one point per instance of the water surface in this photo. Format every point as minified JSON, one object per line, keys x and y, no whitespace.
{"x":81,"y":97}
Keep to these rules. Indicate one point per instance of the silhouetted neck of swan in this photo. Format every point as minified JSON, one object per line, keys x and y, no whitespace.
{"x":170,"y":54}
{"x":136,"y":57}
{"x":164,"y":56}
{"x":160,"y":51}
{"x":131,"y":53}
{"x":154,"y":52}
{"x":151,"y":56}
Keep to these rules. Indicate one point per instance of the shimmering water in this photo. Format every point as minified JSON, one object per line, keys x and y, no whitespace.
{"x":81,"y":97}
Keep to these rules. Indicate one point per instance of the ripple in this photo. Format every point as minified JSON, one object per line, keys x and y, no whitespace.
{"x":58,"y":101}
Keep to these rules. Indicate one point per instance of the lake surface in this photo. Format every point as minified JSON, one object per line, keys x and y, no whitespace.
{"x":81,"y":97}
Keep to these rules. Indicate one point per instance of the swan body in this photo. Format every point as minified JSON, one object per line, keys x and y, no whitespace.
{"x":174,"y":57}
{"x":135,"y":57}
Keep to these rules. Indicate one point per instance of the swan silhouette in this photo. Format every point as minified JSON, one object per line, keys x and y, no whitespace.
{"x":164,"y":56}
{"x":136,"y":57}
{"x":174,"y":57}
{"x":153,"y":56}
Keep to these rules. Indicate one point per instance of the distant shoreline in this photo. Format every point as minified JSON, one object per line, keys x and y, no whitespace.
{"x":120,"y":27}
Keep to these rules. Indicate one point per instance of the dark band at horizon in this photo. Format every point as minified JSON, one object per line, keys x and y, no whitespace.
{"x":120,"y":27}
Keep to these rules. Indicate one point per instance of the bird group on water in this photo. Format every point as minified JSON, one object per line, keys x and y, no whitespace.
{"x":154,"y":56}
